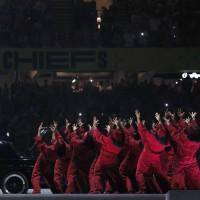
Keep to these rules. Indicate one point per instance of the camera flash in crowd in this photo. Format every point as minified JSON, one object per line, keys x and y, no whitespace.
{"x":91,"y":80}
{"x":166,"y":104}
{"x":8,"y":134}
{"x":142,"y":34}
{"x":102,"y":114}
{"x":74,"y":81}
{"x":80,"y":114}
{"x":99,"y":19}
{"x":176,"y":82}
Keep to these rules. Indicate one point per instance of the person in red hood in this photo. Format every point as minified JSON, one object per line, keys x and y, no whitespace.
{"x":149,"y":162}
{"x":128,"y":166}
{"x":173,"y":147}
{"x":79,"y":163}
{"x":91,"y":173}
{"x":185,"y":168}
{"x":107,"y":165}
{"x":92,"y":180}
{"x":63,"y":151}
{"x":44,"y":163}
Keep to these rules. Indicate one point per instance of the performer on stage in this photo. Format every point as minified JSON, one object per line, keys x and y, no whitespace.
{"x":149,"y":162}
{"x":44,"y":164}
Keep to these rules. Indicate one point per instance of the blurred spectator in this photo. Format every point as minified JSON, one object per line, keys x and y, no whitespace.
{"x":129,"y":38}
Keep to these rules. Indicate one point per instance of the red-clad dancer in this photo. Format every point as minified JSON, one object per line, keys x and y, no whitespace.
{"x":44,"y":164}
{"x":121,"y":155}
{"x":149,"y":162}
{"x":79,"y":163}
{"x":172,"y":146}
{"x":129,"y":164}
{"x":91,"y":172}
{"x":176,"y":150}
{"x":109,"y":189}
{"x":185,"y":163}
{"x":64,"y":152}
{"x":107,"y":165}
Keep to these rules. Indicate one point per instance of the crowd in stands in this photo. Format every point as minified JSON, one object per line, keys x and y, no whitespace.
{"x":157,"y":23}
{"x":24,"y":105}
{"x":148,"y":23}
{"x":26,"y":23}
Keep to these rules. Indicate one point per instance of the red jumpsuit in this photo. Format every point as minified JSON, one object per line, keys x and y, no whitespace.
{"x":129,"y":164}
{"x":149,"y":162}
{"x":107,"y":165}
{"x":62,"y":163}
{"x":43,"y":167}
{"x":92,"y":167}
{"x":79,"y":163}
{"x":185,"y":168}
{"x":167,"y":162}
{"x":109,"y":189}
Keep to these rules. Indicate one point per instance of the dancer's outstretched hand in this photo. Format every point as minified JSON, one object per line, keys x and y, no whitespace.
{"x":40,"y":128}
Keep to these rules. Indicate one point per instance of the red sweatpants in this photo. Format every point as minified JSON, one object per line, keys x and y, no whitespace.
{"x":76,"y":167}
{"x":107,"y":168}
{"x":92,"y":176}
{"x":60,"y":170}
{"x":148,"y":165}
{"x":127,"y":172}
{"x":186,"y":175}
{"x":43,"y":168}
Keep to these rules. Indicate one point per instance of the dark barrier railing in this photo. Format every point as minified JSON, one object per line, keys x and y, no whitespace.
{"x":171,"y":195}
{"x":85,"y":197}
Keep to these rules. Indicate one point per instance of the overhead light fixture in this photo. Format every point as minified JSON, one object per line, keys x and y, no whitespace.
{"x":99,"y":19}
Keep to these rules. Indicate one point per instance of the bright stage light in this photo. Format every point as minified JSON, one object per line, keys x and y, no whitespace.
{"x":184,"y":75}
{"x":99,"y":19}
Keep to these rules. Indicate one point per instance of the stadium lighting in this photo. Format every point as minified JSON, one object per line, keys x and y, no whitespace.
{"x":74,"y":81}
{"x":80,"y":114}
{"x":166,"y":104}
{"x":99,"y":19}
{"x":194,"y":75}
{"x":184,"y":75}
